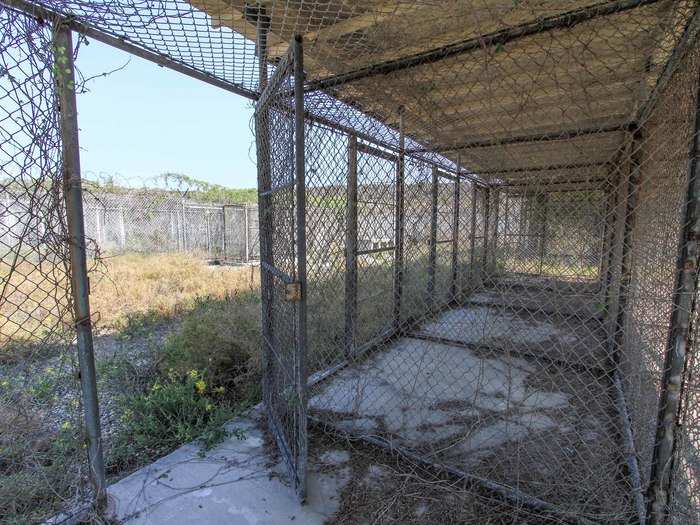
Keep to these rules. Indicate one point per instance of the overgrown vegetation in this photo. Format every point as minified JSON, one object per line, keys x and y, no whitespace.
{"x":174,"y":410}
{"x":207,"y":371}
{"x":177,"y":346}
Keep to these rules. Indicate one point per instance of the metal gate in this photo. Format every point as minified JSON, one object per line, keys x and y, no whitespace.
{"x":279,"y":121}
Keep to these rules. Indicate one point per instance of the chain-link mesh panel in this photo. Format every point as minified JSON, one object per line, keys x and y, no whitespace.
{"x":240,"y":230}
{"x":151,"y":221}
{"x":503,"y":350}
{"x":657,"y":188}
{"x":43,"y":465}
{"x":282,"y":265}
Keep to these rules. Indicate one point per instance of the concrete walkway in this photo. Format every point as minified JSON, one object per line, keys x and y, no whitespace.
{"x":233,"y":484}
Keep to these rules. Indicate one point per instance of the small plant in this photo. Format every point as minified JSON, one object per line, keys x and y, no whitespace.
{"x":222,"y":337}
{"x":173,"y":411}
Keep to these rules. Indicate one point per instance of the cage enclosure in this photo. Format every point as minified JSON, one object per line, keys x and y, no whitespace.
{"x":478,"y":231}
{"x":470,"y":250}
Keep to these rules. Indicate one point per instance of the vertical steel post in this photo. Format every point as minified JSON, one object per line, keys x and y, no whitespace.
{"x":223,"y":227}
{"x":64,"y":76}
{"x":432,"y":240}
{"x":626,"y":257}
{"x":351,"y":251}
{"x":262,"y":139}
{"x":246,"y":210}
{"x":472,"y":237}
{"x":300,"y":175}
{"x":506,"y":221}
{"x":122,"y":229}
{"x":399,"y":225}
{"x":675,"y":369}
{"x":542,"y":209}
{"x":208,"y":225}
{"x":487,"y":216}
{"x":609,"y":245}
{"x":455,"y":232}
{"x":496,"y":218}
{"x":184,"y":227}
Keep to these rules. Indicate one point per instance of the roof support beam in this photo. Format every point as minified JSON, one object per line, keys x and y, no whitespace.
{"x":502,"y":37}
{"x":557,"y":167}
{"x":556,"y":135}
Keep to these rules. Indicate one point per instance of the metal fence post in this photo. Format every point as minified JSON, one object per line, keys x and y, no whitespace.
{"x":264,"y":219}
{"x":300,"y":171}
{"x":184,"y":227}
{"x":122,"y":230}
{"x":620,"y":307}
{"x":472,"y":237}
{"x":224,"y":241}
{"x":246,"y":210}
{"x":455,"y":232}
{"x":208,"y":225}
{"x":608,"y":245}
{"x":64,"y":76}
{"x":487,"y":214}
{"x":674,"y":373}
{"x":542,"y":212}
{"x":399,"y":225}
{"x":496,"y":194}
{"x":432,"y":241}
{"x":351,"y":251}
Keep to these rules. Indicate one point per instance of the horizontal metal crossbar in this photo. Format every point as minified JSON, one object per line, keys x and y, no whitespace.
{"x":376,"y":250}
{"x":555,"y":167}
{"x":521,"y":139}
{"x":370,"y":150}
{"x":502,"y":37}
{"x":277,"y":189}
{"x":287,"y":279}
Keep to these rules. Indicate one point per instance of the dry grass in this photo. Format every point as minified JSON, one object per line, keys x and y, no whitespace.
{"x":164,"y":286}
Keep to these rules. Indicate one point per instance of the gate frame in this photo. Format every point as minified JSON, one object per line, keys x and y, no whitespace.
{"x":296,"y":288}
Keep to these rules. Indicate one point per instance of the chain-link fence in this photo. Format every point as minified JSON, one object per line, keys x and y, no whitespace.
{"x":151,"y":222}
{"x":41,"y":438}
{"x":479,"y":225}
{"x":513,"y":208}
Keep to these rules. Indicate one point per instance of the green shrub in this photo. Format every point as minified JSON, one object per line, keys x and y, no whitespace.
{"x":174,"y":411}
{"x":222,"y":338}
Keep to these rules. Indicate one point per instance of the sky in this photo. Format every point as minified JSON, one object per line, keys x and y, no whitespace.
{"x":145,"y":120}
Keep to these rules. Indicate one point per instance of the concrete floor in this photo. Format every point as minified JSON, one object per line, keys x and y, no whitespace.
{"x":233,"y":484}
{"x":451,"y":403}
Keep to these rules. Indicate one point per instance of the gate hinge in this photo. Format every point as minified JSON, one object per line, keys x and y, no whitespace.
{"x":292,"y":291}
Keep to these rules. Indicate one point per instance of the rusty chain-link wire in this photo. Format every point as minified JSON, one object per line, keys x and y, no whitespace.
{"x":496,"y":193}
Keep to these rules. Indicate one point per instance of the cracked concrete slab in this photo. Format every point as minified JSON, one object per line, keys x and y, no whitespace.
{"x":232,"y":484}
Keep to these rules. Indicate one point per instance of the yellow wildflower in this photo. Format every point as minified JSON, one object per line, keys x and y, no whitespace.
{"x":66,"y":425}
{"x":200,"y":385}
{"x":209,"y":407}
{"x":155,"y":387}
{"x":194,"y":374}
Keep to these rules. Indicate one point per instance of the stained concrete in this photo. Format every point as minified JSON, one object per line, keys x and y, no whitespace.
{"x":483,"y":324}
{"x":232,"y":484}
{"x":569,"y":339}
{"x":428,"y":395}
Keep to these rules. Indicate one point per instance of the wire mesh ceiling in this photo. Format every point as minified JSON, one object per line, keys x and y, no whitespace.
{"x":601,"y":59}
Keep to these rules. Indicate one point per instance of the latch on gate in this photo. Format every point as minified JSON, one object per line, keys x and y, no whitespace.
{"x":292,"y":291}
